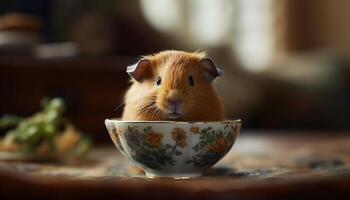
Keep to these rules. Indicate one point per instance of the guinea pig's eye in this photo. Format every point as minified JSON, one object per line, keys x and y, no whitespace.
{"x":190,"y":80}
{"x":158,"y":80}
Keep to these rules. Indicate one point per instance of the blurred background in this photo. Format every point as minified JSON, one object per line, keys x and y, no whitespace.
{"x":286,"y":62}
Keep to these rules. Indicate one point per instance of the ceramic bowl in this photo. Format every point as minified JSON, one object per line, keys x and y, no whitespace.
{"x":173,"y":149}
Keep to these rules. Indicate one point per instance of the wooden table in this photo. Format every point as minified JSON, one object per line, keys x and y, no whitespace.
{"x":260,"y":166}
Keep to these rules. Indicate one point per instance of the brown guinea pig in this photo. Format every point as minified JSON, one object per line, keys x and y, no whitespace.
{"x":173,"y":85}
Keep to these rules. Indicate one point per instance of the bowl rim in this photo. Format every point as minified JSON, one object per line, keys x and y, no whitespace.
{"x":229,"y":121}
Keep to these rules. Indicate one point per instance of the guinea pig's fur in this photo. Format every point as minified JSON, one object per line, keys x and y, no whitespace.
{"x":148,"y":98}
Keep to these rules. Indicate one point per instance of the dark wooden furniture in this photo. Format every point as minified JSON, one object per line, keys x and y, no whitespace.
{"x":306,"y":165}
{"x":92,"y":87}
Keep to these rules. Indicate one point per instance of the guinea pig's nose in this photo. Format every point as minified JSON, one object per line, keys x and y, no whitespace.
{"x":174,"y":102}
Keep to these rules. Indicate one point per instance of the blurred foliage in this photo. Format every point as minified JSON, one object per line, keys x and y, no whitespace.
{"x":42,"y":127}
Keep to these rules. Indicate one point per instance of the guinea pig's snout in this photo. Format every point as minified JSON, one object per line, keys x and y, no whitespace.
{"x":174,"y":102}
{"x":174,"y":105}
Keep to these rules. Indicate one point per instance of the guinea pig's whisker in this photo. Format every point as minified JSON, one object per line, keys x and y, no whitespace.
{"x":143,"y":111}
{"x":116,"y":109}
{"x":153,"y":114}
{"x":153,"y":111}
{"x":157,"y":111}
{"x":147,"y":109}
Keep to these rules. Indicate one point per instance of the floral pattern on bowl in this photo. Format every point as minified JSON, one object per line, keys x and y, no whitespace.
{"x":174,"y":149}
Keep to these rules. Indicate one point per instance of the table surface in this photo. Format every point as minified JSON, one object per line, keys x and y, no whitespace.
{"x":260,"y":166}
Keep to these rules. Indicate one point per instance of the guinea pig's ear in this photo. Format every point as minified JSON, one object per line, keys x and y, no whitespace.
{"x":211,"y":71}
{"x":141,"y":70}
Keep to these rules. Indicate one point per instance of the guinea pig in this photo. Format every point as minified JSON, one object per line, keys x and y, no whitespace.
{"x":173,"y":86}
